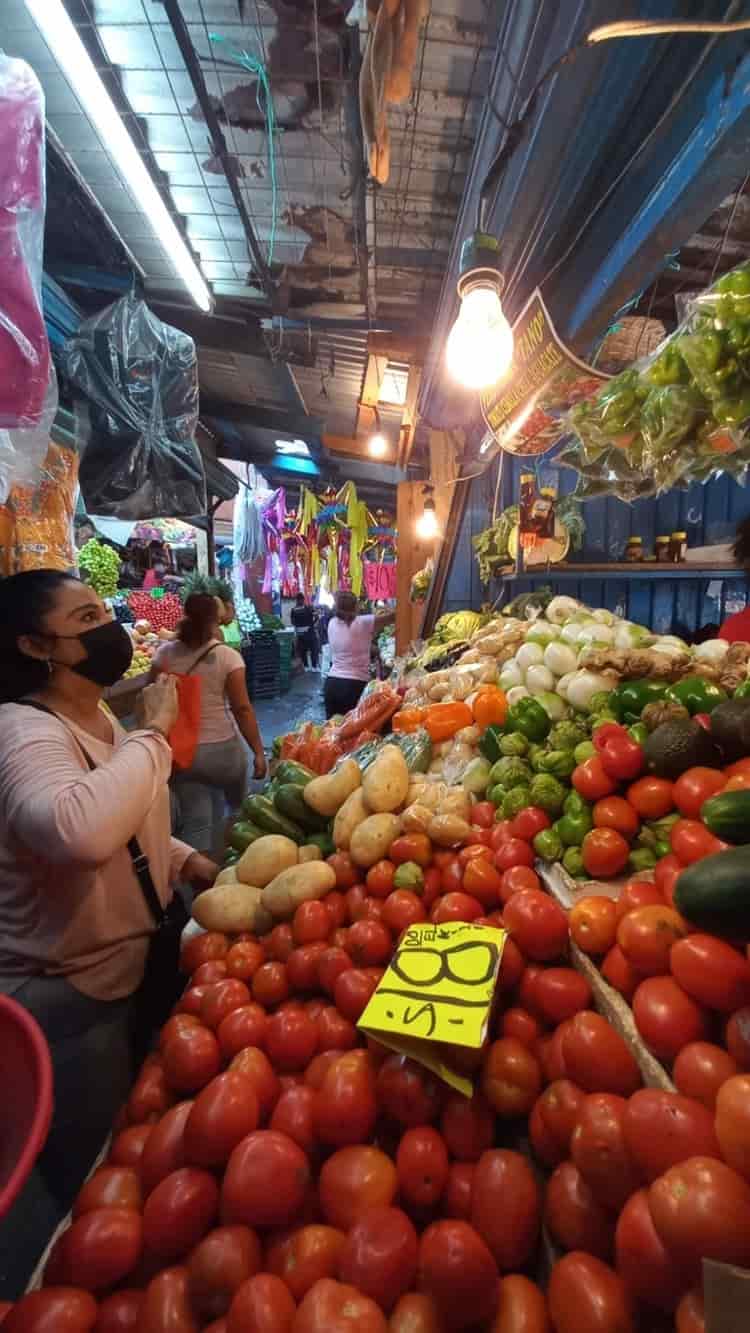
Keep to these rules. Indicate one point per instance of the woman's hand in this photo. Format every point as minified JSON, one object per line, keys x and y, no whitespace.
{"x":199,"y":871}
{"x":260,"y":767}
{"x":158,"y":705}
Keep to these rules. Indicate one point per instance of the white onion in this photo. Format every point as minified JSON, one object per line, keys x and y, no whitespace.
{"x":713,"y":650}
{"x":583,"y":686}
{"x":539,"y":679}
{"x":510,"y":675}
{"x":529,"y":654}
{"x":559,"y":658}
{"x":518,"y":692}
{"x":594,"y":633}
{"x":571,"y":632}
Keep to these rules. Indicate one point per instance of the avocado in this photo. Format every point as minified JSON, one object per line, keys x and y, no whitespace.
{"x":676,"y":746}
{"x":730,"y":728}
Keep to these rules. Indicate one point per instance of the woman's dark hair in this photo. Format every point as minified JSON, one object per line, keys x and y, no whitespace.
{"x":741,"y":546}
{"x":200,"y":620}
{"x":346,"y":606}
{"x":25,"y":600}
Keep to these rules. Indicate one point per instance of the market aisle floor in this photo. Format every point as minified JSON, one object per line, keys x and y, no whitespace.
{"x":303,"y":702}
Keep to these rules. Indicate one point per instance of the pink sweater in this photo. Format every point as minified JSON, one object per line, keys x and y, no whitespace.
{"x":70,"y":904}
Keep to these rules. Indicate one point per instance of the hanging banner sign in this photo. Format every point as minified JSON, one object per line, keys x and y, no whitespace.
{"x":526,"y":410}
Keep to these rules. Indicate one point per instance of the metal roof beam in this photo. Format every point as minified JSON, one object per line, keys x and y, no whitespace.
{"x":265,"y":418}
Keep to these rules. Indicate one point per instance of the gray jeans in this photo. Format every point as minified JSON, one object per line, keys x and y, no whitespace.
{"x":216,"y":779}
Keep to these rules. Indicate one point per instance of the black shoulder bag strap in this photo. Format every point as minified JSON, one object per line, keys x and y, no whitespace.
{"x":137,"y":855}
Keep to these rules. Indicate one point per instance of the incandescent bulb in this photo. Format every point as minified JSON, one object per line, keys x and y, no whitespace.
{"x":480,"y":344}
{"x":377,"y":445}
{"x":427,"y":524}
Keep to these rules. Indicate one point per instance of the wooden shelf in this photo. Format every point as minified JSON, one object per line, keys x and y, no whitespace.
{"x":621,"y":570}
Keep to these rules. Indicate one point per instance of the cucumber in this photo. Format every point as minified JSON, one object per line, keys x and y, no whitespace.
{"x":728,"y":816}
{"x":243,"y":833}
{"x":714,"y":893}
{"x":288,"y":770}
{"x":415,"y":746}
{"x":264,"y":814}
{"x":322,"y":840}
{"x":290,"y":803}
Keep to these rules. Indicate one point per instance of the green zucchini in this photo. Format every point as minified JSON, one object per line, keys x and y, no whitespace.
{"x":264,"y":813}
{"x":243,"y":833}
{"x":322,"y":840}
{"x":728,"y":816}
{"x":288,"y":770}
{"x":714,"y":893}
{"x":290,"y":803}
{"x":415,"y":746}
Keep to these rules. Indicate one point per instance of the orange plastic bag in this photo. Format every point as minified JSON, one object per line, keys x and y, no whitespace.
{"x":183,"y":737}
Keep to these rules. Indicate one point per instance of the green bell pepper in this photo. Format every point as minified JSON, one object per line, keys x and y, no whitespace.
{"x":547,"y":844}
{"x":409,"y":875}
{"x":242,"y":834}
{"x":572,"y":829}
{"x":573,"y":862}
{"x":530,"y":718}
{"x":696,"y":694}
{"x":631,"y":697}
{"x":514,"y":801}
{"x":489,"y":744}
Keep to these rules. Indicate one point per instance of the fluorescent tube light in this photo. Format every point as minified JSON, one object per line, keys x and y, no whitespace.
{"x":58,"y":31}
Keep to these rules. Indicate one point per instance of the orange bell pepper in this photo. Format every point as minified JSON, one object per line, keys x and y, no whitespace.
{"x":408,"y":719}
{"x":490,"y":707}
{"x":441,"y":721}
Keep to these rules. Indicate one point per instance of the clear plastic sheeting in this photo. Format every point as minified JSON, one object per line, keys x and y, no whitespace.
{"x":28,"y":390}
{"x":136,"y":414}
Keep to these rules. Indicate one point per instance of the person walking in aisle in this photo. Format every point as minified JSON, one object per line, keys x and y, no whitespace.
{"x":303,"y":620}
{"x":350,"y":637}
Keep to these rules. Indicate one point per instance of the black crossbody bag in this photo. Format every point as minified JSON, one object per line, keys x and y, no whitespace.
{"x":161,"y":985}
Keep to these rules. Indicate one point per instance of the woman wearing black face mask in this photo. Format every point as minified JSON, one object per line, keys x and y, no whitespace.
{"x":75,"y":920}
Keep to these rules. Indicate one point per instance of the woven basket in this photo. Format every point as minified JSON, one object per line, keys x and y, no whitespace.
{"x":634,"y":338}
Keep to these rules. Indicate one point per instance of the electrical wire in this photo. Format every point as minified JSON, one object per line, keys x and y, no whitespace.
{"x":264,"y":102}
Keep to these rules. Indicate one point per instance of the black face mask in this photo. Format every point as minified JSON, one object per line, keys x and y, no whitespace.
{"x":109,"y":652}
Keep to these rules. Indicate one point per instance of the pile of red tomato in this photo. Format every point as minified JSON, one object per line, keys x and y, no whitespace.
{"x":275,"y":1172}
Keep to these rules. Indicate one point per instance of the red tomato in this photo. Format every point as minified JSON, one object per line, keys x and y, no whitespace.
{"x":293,"y":1116}
{"x":506,"y":1207}
{"x":573,"y":1216}
{"x":422,"y":1166}
{"x":701,"y":1210}
{"x":620,"y":973}
{"x":270,"y":985}
{"x":411,"y":847}
{"x":402,"y":909}
{"x":712,"y":972}
{"x":202,"y":949}
{"x":616,"y":813}
{"x":511,"y":967}
{"x":738,"y":1037}
{"x":456,"y":1200}
{"x":164,"y":1151}
{"x":590,"y":780}
{"x":596,"y":1057}
{"x":483,"y":881}
{"x":166,"y":1304}
{"x":255,"y":1064}
{"x":369,"y":943}
{"x":557,"y":1110}
{"x":379,"y":878}
{"x":538,"y":924}
{"x":586,"y":1296}
{"x":118,"y":1313}
{"x":605,"y":853}
{"x":222,"y":1114}
{"x":345,"y":1106}
{"x":651,"y":797}
{"x":304,"y":1256}
{"x":318,"y":1067}
{"x":638,"y":893}
{"x":529,"y":822}
{"x":331,"y":964}
{"x":98,"y":1251}
{"x":311,"y":922}
{"x":458,"y":1271}
{"x":518,"y":877}
{"x":266,"y":1180}
{"x":352,"y":991}
{"x":501,"y":833}
{"x":519,"y":1023}
{"x":334,"y":1307}
{"x":245,"y":1026}
{"x":243,"y":960}
{"x":561,"y":992}
{"x":335,"y":1033}
{"x":220,"y":999}
{"x":110,"y":1187}
{"x":522,"y":1308}
{"x":54,"y":1310}
{"x":407,"y":1092}
{"x":666,"y":1017}
{"x":151,"y":1095}
{"x":302,"y":967}
{"x":691,"y":841}
{"x":514,"y":852}
{"x":262,"y":1304}
{"x":694,"y":787}
{"x":416,"y":1313}
{"x":483,"y":814}
{"x":379,"y":1257}
{"x":354,"y":1180}
{"x":192,"y":1057}
{"x":646,"y":936}
{"x":431,"y":887}
{"x":190,"y":1001}
{"x":456,"y":907}
{"x":208,"y":972}
{"x":733,"y":1123}
{"x":643,"y":1263}
{"x":356,"y":897}
{"x":467,"y":1126}
{"x":663,"y":1128}
{"x":178,"y":1212}
{"x":280,"y":943}
{"x":451,"y":875}
{"x":690,"y":1313}
{"x":347,"y":874}
{"x":700,"y":1070}
{"x":511,"y":1077}
{"x":291,"y":1040}
{"x":219,"y":1264}
{"x":336,"y":907}
{"x":593,"y":924}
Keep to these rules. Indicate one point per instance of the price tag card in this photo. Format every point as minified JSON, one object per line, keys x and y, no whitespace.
{"x":437,"y":993}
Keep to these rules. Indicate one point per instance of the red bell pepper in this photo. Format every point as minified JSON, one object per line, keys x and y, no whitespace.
{"x":620,"y":755}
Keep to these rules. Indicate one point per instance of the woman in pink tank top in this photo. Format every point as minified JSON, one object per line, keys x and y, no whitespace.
{"x":350,"y":637}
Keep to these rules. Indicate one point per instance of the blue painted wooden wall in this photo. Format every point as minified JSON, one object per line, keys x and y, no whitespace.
{"x":708,"y":513}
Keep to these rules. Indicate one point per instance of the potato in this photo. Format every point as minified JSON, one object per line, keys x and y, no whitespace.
{"x":352,"y":812}
{"x":448,"y":830}
{"x":229,"y":908}
{"x":310,"y":852}
{"x":226,"y":876}
{"x":326,"y":795}
{"x":386,"y":782}
{"x":298,"y":884}
{"x":416,"y":818}
{"x":372,"y":838}
{"x":454,"y":801}
{"x":265,"y":858}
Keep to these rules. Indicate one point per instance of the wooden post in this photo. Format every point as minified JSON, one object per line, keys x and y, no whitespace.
{"x":445,"y":451}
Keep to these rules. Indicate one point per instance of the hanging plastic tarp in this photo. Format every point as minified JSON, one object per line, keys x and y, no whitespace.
{"x":136,"y":414}
{"x":28,"y":389}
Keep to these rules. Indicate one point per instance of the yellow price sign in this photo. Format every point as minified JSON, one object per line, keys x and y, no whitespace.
{"x":438,"y":989}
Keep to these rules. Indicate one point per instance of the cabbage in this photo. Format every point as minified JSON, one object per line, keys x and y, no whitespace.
{"x":539,"y":679}
{"x":553,"y":705}
{"x":529,"y":654}
{"x":560,"y":658}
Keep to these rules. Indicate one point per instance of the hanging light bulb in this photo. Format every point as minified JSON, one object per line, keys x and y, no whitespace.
{"x":427,"y":524}
{"x":479,"y":350}
{"x":377,"y":445}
